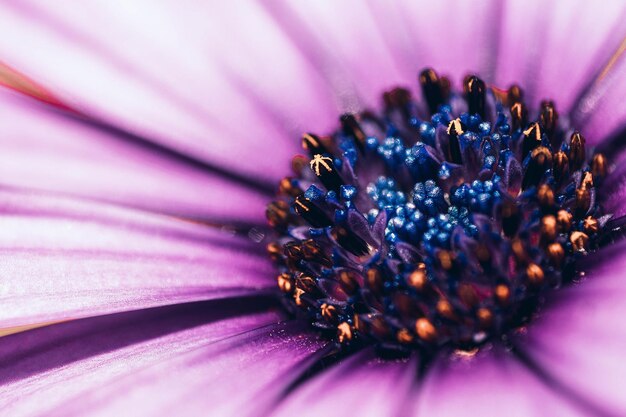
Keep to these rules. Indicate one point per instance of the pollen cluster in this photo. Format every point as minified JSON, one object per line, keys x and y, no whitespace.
{"x":439,"y":222}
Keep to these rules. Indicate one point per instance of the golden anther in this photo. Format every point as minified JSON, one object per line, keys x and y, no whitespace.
{"x":274,"y":251}
{"x":535,"y":274}
{"x":577,"y":151}
{"x":425,"y":330}
{"x":445,"y":259}
{"x":301,"y":205}
{"x":292,"y":251}
{"x":519,"y":115}
{"x":531,"y":144}
{"x":587,"y":181}
{"x":444,"y":308}
{"x":548,"y":228}
{"x":545,"y":195}
{"x":540,"y":162}
{"x":533,"y":132}
{"x":455,"y":127}
{"x":428,"y":75}
{"x":348,"y":280}
{"x":404,"y":336}
{"x":374,"y":280}
{"x":277,"y":213}
{"x":284,"y":282}
{"x":591,"y":225}
{"x":328,"y":311}
{"x":599,"y":165}
{"x":485,"y":317}
{"x":582,"y":200}
{"x":556,"y":253}
{"x":297,"y":296}
{"x":549,"y":117}
{"x":287,"y":187}
{"x":319,"y":160}
{"x":418,"y":278}
{"x":502,"y":293}
{"x":579,"y":241}
{"x":517,"y":246}
{"x":359,"y":325}
{"x":560,"y":166}
{"x":542,"y":156}
{"x":311,"y":251}
{"x":305,"y":283}
{"x":344,"y":332}
{"x":311,"y":142}
{"x":564,"y":220}
{"x":517,"y":110}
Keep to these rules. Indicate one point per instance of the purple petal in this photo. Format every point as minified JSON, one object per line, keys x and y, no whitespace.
{"x":565,"y":44}
{"x":489,"y":384}
{"x":43,"y":150}
{"x":166,"y":73}
{"x":363,"y":385}
{"x":354,"y":55}
{"x":64,"y":259}
{"x":581,"y":337}
{"x":371,"y":47}
{"x":601,"y":111}
{"x":229,"y":377}
{"x":613,"y":190}
{"x":455,"y":38}
{"x":181,"y":75}
{"x":58,"y":369}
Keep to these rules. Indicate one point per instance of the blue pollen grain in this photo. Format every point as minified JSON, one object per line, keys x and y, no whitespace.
{"x":438,"y":223}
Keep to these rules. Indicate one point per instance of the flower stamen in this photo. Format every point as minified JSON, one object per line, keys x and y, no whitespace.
{"x":424,"y":227}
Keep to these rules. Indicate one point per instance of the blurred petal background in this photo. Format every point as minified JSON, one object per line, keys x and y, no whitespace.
{"x":141,"y":143}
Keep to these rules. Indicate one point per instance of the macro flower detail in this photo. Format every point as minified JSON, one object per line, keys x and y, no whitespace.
{"x":437,"y":223}
{"x":440,"y":247}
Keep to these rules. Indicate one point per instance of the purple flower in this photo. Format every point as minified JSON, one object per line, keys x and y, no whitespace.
{"x":142,"y":143}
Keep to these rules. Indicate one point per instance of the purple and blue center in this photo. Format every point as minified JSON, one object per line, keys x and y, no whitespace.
{"x":438,"y":223}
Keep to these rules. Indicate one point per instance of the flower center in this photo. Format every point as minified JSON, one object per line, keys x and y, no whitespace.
{"x":419,"y":233}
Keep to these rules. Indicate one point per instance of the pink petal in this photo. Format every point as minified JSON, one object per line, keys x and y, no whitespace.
{"x":489,"y":384}
{"x":66,"y":369}
{"x":565,"y":43}
{"x":44,"y":150}
{"x":363,"y":385}
{"x":235,"y":376}
{"x":64,"y":259}
{"x":581,"y":337}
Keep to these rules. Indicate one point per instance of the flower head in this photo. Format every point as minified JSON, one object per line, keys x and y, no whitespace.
{"x":142,"y":144}
{"x":446,"y":231}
